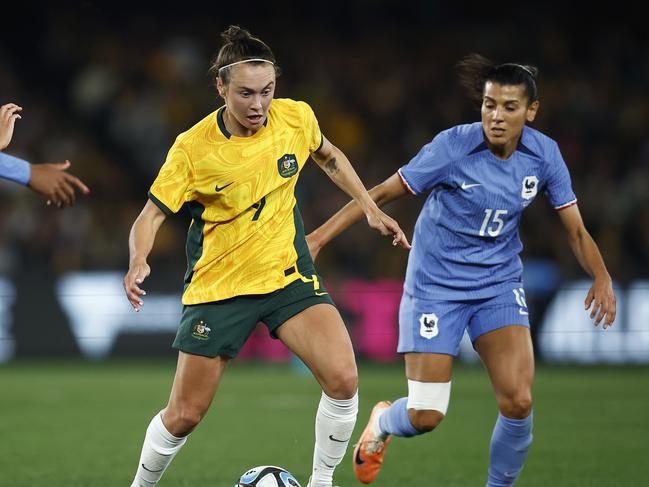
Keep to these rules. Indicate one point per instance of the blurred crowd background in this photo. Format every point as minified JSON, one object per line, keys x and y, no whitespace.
{"x":110,"y":89}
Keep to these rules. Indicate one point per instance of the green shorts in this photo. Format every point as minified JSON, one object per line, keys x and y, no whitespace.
{"x":222,"y":327}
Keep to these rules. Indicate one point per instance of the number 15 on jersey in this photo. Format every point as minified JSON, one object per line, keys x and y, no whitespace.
{"x":492,"y":223}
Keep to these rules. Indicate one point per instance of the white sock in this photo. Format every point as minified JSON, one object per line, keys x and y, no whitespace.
{"x":376,"y":427}
{"x":159,"y":448}
{"x":334,"y":425}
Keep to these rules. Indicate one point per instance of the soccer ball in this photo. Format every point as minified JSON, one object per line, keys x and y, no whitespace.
{"x":267,"y":476}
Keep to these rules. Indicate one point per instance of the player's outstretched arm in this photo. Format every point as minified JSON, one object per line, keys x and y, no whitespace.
{"x":600,"y":298}
{"x":55,"y":183}
{"x":339,"y":169}
{"x":140,"y":243}
{"x":50,"y":180}
{"x":9,"y":113}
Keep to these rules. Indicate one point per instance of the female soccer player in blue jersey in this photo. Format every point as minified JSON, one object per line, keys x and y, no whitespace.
{"x":464,"y":270}
{"x":248,"y":260}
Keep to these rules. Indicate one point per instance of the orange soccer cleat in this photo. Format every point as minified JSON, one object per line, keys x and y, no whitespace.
{"x":370,"y":449}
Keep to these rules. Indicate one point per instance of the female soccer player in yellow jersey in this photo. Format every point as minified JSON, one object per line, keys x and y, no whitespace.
{"x":247,"y":256}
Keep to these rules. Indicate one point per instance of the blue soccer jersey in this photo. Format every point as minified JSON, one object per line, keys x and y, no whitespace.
{"x":466,"y":243}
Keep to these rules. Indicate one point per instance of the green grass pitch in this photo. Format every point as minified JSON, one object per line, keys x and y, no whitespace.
{"x":81,"y":424}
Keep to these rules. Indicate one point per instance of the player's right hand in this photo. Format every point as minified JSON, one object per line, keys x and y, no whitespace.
{"x":136,"y":274}
{"x":8,"y":116}
{"x":57,"y":185}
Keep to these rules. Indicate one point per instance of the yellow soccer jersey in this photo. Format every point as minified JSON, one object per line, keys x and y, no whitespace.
{"x":246,"y":235}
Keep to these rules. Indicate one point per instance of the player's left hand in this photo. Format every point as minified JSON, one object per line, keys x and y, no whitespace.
{"x":601,"y":301}
{"x":9,"y":113}
{"x":387,"y":226}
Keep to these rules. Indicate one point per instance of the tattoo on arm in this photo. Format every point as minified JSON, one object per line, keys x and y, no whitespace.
{"x":331,"y":166}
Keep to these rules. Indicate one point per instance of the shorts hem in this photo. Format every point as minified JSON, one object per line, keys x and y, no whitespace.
{"x":209,"y":354}
{"x":438,"y":352}
{"x":308,"y":303}
{"x":473,"y":339}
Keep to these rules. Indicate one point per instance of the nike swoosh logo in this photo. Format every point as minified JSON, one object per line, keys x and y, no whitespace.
{"x":467,"y":186}
{"x":152,"y":471}
{"x":357,"y":458}
{"x":522,"y":312}
{"x":322,"y":294}
{"x":221,"y":188}
{"x":331,"y":437}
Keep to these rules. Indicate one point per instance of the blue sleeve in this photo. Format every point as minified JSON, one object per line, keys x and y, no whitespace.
{"x":558,"y":186}
{"x":14,"y":169}
{"x":429,"y":167}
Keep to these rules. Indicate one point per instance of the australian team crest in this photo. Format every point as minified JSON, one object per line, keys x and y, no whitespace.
{"x":201,"y":331}
{"x":530,"y":187}
{"x":287,"y":165}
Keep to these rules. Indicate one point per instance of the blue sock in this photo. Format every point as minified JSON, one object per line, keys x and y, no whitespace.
{"x":510,"y":441}
{"x":395,"y":420}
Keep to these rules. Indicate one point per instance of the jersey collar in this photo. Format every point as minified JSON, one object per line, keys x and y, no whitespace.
{"x":521,"y":147}
{"x":221,"y":123}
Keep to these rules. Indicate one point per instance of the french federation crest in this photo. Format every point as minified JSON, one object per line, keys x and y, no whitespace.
{"x":201,"y":331}
{"x":530,"y":187}
{"x":428,"y":325}
{"x":287,"y":165}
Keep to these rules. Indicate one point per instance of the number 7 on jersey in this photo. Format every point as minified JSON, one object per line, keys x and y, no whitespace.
{"x":259,"y":206}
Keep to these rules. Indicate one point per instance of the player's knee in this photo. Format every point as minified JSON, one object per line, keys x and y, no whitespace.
{"x":181,"y":421}
{"x":425,"y":420}
{"x":342,"y":384}
{"x":427,"y":403}
{"x":517,"y":406}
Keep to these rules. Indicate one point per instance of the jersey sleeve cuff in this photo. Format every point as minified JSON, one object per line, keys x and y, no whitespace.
{"x":566,"y":205}
{"x":165,"y":209}
{"x":321,"y":142}
{"x":405,"y":183}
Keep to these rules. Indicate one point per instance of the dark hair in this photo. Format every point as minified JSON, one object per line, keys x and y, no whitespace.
{"x":475,"y":70}
{"x":239,"y":45}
